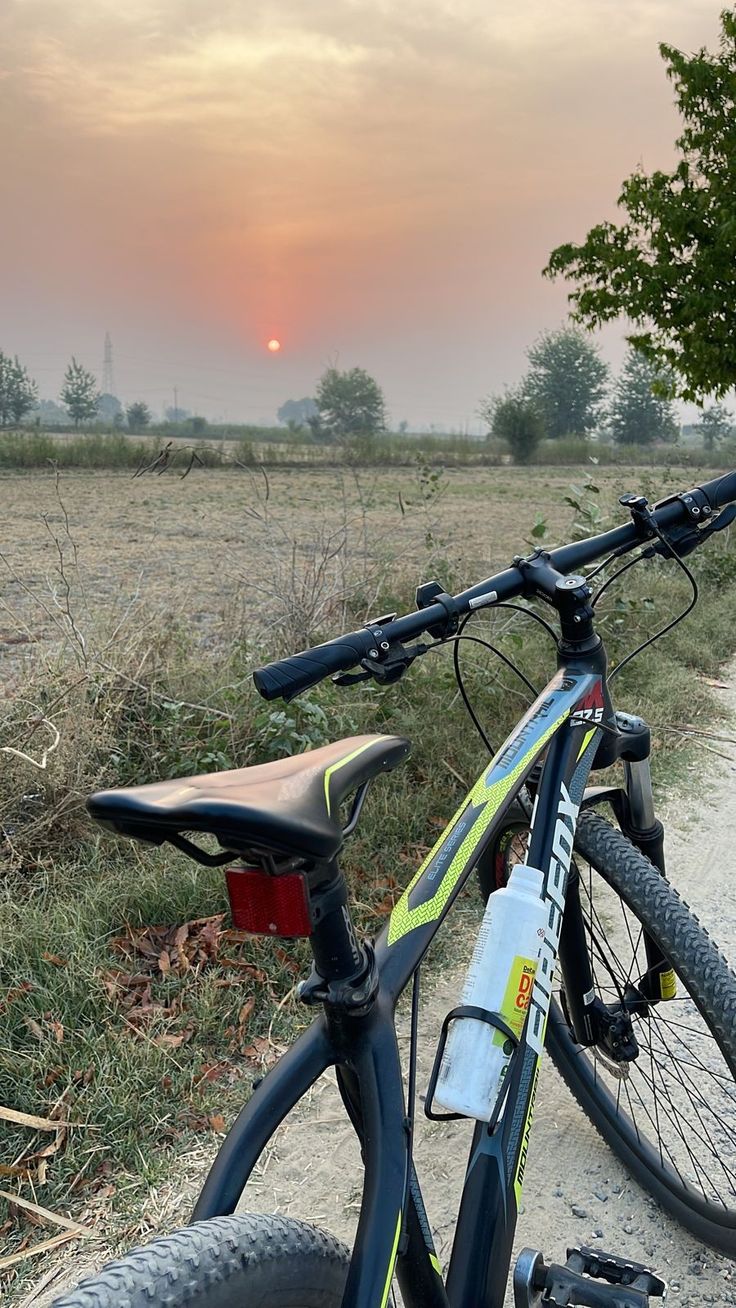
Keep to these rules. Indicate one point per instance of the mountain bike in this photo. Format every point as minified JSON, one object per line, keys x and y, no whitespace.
{"x":633,"y":1001}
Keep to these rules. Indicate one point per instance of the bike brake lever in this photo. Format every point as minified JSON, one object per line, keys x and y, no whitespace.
{"x":350,"y":678}
{"x":690,"y":537}
{"x":386,"y":670}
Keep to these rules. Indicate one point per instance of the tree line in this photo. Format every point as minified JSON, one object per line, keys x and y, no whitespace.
{"x":79,"y":394}
{"x":568,"y":391}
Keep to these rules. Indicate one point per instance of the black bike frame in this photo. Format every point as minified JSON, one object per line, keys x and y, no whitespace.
{"x":565,"y":724}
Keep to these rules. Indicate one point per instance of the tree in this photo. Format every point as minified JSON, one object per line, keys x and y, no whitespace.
{"x":670,"y":267}
{"x":714,"y":424}
{"x":567,"y":381}
{"x":138,"y":415}
{"x":79,"y":393}
{"x":297,"y":411}
{"x":349,"y":404}
{"x":18,"y":391}
{"x":109,"y":407}
{"x":514,"y":418}
{"x":641,"y":411}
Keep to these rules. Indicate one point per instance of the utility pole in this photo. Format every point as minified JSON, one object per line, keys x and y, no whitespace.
{"x":176,"y":404}
{"x":108,"y":376}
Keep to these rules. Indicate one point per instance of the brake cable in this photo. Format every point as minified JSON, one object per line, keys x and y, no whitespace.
{"x":669,"y":552}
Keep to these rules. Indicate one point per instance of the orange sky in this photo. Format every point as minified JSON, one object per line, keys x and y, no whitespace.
{"x":373,"y":181}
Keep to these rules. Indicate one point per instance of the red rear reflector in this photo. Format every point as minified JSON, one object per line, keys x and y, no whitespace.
{"x":269,"y":905}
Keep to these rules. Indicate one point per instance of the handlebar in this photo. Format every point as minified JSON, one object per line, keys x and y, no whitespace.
{"x":286,"y":678}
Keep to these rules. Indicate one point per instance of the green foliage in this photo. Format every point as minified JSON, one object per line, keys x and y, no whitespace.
{"x":641,"y":412}
{"x":669,"y":266}
{"x":138,"y":416}
{"x":515,"y":418}
{"x":350,"y":404}
{"x":567,"y":382}
{"x":289,"y":731}
{"x":589,"y":518}
{"x":79,"y":393}
{"x":715,"y":424}
{"x":18,"y":392}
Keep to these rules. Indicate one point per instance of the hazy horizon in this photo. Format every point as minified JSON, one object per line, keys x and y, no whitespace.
{"x":371,"y":184}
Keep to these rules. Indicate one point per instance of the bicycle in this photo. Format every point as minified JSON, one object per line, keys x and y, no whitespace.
{"x":605,"y":1021}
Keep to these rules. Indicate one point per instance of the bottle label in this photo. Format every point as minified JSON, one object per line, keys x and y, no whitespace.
{"x":516,"y":997}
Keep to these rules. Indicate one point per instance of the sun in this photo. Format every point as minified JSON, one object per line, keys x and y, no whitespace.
{"x":274,"y":346}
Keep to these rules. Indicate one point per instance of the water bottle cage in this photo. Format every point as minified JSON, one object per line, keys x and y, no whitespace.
{"x":481,"y":1015}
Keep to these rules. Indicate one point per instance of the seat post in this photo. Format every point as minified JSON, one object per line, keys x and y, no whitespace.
{"x":344,"y":974}
{"x":337,"y":953}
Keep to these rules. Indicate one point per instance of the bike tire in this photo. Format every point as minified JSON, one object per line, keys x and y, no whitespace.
{"x":244,"y":1261}
{"x":679,"y":1181}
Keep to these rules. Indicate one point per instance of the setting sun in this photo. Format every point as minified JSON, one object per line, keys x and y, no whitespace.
{"x":274,"y":346}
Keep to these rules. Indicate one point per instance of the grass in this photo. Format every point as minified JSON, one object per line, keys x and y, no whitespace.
{"x":232,"y":447}
{"x":142,"y":695}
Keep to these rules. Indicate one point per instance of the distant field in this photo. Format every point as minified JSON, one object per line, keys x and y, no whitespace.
{"x":194,"y":546}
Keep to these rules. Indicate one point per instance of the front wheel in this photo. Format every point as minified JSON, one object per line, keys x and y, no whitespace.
{"x":670,"y":1112}
{"x":228,"y":1262}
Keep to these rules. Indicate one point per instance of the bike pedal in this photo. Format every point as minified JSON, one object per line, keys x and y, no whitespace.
{"x":590,"y":1278}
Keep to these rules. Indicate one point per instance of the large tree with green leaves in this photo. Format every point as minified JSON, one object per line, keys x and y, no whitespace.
{"x":79,"y":393}
{"x":18,"y":391}
{"x":670,"y":266}
{"x":567,"y":382}
{"x":514,"y":418}
{"x":349,"y":404}
{"x":641,"y":411}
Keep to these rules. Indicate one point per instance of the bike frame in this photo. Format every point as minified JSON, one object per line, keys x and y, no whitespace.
{"x":565,"y":724}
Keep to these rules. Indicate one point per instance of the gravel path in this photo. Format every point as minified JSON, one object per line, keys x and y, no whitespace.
{"x":575,"y":1190}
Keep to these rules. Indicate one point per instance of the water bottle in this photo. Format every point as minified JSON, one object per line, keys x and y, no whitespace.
{"x":500,"y":980}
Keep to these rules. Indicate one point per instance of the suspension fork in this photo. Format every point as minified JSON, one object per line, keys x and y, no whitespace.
{"x":638,"y":822}
{"x":644,"y":829}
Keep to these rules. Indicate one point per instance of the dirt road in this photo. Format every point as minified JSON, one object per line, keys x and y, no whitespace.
{"x":575,"y":1190}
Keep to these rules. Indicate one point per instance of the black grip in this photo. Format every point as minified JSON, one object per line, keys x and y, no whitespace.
{"x":722,"y":490}
{"x":289,"y":677}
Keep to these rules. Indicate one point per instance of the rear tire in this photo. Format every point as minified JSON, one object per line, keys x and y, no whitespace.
{"x":672,"y":1121}
{"x":228,"y":1262}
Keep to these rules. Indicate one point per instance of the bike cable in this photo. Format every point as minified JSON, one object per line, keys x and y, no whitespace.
{"x":477,"y":640}
{"x":670,"y":552}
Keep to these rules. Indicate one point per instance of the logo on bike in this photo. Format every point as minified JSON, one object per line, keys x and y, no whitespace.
{"x":590,"y":707}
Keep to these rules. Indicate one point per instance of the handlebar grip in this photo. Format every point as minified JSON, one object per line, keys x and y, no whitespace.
{"x":722,"y":490}
{"x":287,"y":678}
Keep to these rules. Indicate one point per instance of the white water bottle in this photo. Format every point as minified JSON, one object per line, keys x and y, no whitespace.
{"x":500,"y":979}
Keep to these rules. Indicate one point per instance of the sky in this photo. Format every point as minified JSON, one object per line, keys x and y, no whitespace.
{"x":371,"y":182}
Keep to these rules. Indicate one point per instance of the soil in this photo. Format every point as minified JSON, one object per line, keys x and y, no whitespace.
{"x":575,"y":1190}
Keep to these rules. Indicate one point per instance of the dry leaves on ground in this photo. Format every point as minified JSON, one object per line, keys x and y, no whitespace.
{"x":180,"y":949}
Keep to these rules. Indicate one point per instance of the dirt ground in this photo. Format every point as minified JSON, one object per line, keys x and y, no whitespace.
{"x":575,"y":1190}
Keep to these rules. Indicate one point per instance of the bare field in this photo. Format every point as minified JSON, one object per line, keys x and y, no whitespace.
{"x":197,"y":546}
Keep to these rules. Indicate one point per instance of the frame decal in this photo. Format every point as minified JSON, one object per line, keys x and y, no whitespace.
{"x":423,"y":901}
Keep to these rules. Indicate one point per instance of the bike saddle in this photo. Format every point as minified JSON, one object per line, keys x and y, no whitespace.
{"x":291,"y":806}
